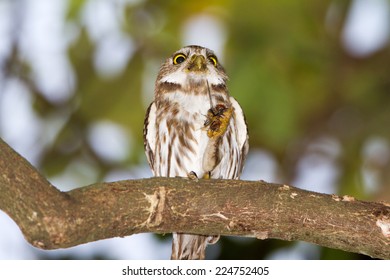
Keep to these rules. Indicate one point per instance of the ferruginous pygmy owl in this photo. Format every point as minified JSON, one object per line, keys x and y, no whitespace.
{"x":195,"y":129}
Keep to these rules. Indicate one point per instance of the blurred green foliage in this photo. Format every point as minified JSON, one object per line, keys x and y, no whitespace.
{"x":289,"y":71}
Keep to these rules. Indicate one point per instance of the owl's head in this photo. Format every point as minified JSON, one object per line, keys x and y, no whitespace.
{"x":192,"y":64}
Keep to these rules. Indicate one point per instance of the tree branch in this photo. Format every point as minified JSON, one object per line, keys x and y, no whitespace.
{"x":51,"y":219}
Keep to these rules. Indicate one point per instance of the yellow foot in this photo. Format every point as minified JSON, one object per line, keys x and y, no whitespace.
{"x":217,"y":121}
{"x":207,"y":175}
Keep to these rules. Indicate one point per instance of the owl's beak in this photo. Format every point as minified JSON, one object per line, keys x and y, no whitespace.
{"x":197,"y":63}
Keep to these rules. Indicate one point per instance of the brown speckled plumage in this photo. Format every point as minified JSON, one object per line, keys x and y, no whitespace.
{"x":177,"y":134}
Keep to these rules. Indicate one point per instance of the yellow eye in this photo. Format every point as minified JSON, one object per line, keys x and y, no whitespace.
{"x":179,"y":58}
{"x":213,"y":60}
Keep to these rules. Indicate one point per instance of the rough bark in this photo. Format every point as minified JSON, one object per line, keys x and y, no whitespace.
{"x":51,"y":219}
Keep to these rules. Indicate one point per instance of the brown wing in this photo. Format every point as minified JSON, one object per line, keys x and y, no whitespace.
{"x":242,"y":132}
{"x":150,"y":134}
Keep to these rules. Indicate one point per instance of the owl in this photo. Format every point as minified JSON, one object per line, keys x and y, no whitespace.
{"x":194,"y":129}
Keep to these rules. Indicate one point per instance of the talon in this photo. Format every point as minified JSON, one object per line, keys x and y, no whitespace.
{"x":192,"y":176}
{"x":207,"y":175}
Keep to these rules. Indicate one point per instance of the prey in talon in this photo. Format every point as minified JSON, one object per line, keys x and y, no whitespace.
{"x":217,"y":120}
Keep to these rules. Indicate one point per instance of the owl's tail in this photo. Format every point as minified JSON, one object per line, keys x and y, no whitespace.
{"x":190,"y":246}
